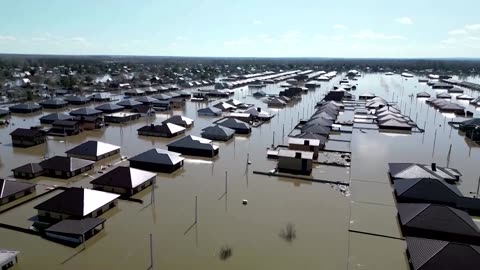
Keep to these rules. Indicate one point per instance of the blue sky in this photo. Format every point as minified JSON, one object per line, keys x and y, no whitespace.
{"x":258,"y":28}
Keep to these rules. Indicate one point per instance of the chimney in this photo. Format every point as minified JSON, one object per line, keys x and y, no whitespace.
{"x":152,"y":126}
{"x":434,"y":166}
{"x":259,"y":109}
{"x":298,"y":155}
{"x":306,"y":142}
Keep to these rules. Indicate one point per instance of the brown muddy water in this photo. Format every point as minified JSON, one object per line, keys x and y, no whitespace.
{"x":322,"y":215}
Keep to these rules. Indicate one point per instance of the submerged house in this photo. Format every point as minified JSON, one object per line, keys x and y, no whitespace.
{"x":109,"y":108}
{"x":77,"y":100}
{"x":436,"y":221}
{"x":143,"y":110}
{"x":167,"y":130}
{"x":194,"y":146}
{"x":125,"y":181}
{"x":210,"y":111}
{"x":276,"y":102}
{"x":85,"y":112}
{"x":100,"y":97}
{"x":77,"y":203}
{"x":93,"y":150}
{"x":13,"y":190}
{"x":8,"y":259}
{"x":25,"y":108}
{"x":24,"y":137}
{"x":128,"y":103}
{"x":54,"y":103}
{"x":89,"y":122}
{"x":121,"y":117}
{"x":469,"y":125}
{"x":50,"y":118}
{"x":258,"y":114}
{"x":157,"y":160}
{"x":134,"y":92}
{"x":295,"y":162}
{"x":64,"y":128}
{"x":430,"y":254}
{"x":395,"y":124}
{"x":240,"y":127}
{"x":412,"y":170}
{"x":224,"y":106}
{"x":65,"y":167}
{"x":304,"y":144}
{"x":217,"y":133}
{"x":423,"y":95}
{"x":180,"y":121}
{"x":28,"y":171}
{"x":74,"y":231}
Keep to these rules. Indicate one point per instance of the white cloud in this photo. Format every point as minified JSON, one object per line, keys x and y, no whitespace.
{"x":39,"y":38}
{"x":339,"y":27}
{"x":472,"y":27}
{"x":457,"y":32}
{"x":181,"y":38}
{"x":7,"y":38}
{"x":369,"y":34}
{"x":338,"y":37}
{"x":404,"y":20}
{"x":473,"y":38}
{"x":291,"y":37}
{"x":449,"y":41}
{"x":78,"y":39}
{"x":257,"y":22}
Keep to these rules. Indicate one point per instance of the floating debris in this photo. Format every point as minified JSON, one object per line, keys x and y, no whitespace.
{"x":225,"y":253}
{"x":289,"y":233}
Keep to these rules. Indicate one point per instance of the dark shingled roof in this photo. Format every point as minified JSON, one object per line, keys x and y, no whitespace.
{"x":128,"y":102}
{"x":193,"y":142}
{"x":8,"y":187}
{"x":27,"y":132}
{"x":217,"y":130}
{"x":438,"y":218}
{"x":233,"y":124}
{"x":85,"y":112}
{"x":75,"y":226}
{"x":29,"y":168}
{"x":429,"y":254}
{"x":26,"y":106}
{"x":426,"y":190}
{"x":77,"y":99}
{"x":109,"y":107}
{"x":67,"y":164}
{"x":124,"y":177}
{"x":53,"y":101}
{"x":56,"y":116}
{"x":93,"y":149}
{"x":423,"y":95}
{"x":164,"y":128}
{"x":316,"y":129}
{"x":158,"y":156}
{"x":210,"y":111}
{"x":179,"y":120}
{"x":77,"y":202}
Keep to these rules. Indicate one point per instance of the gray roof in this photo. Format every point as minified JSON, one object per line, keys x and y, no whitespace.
{"x":146,"y":100}
{"x":429,"y":254}
{"x":77,"y":202}
{"x":8,"y":188}
{"x":109,"y":107}
{"x":210,"y":111}
{"x":217,"y":130}
{"x":56,"y":116}
{"x":29,"y":168}
{"x":66,"y":164}
{"x":53,"y":101}
{"x":77,"y":98}
{"x":93,"y":149}
{"x":179,"y":120}
{"x":101,"y":96}
{"x":423,"y":94}
{"x":164,"y":128}
{"x":233,"y":123}
{"x":128,"y":102}
{"x":124,"y":177}
{"x":75,"y":227}
{"x":193,"y":142}
{"x":316,"y":129}
{"x":158,"y":156}
{"x":439,"y":218}
{"x":471,"y":122}
{"x":85,"y":112}
{"x":26,"y":106}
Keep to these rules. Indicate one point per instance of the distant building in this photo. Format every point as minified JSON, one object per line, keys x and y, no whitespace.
{"x":101,"y":97}
{"x":124,"y":181}
{"x":85,"y":112}
{"x":93,"y":150}
{"x":65,"y":167}
{"x":23,"y":137}
{"x":74,"y":231}
{"x":77,"y":203}
{"x":77,"y":100}
{"x":90,"y":122}
{"x":128,"y":103}
{"x":13,"y":190}
{"x":50,"y":118}
{"x":54,"y":103}
{"x":109,"y":108}
{"x":296,"y":162}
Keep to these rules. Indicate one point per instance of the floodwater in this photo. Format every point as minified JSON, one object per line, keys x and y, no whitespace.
{"x":322,"y":215}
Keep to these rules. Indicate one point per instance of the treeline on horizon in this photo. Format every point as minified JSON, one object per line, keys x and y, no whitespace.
{"x":447,"y":65}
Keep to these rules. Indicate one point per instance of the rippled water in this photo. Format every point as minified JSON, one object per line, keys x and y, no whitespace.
{"x":321,"y":214}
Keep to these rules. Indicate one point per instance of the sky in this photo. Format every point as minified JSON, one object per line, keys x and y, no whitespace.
{"x":243,"y":28}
